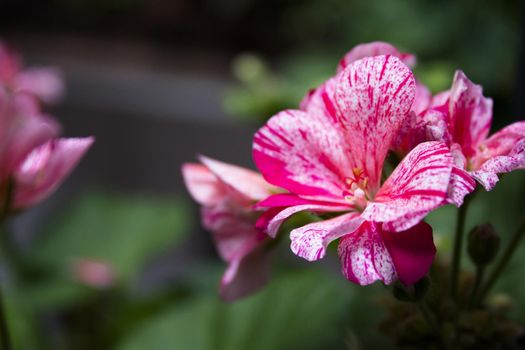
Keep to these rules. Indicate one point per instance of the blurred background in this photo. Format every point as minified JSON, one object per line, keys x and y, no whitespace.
{"x":116,"y":259}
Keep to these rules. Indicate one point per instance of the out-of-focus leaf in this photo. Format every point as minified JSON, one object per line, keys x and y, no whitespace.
{"x":122,"y":231}
{"x":300,"y":310}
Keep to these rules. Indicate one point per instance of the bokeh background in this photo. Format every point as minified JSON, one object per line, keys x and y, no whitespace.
{"x":160,"y":81}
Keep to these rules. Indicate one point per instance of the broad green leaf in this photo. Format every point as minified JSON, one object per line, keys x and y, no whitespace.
{"x":298,"y":310}
{"x":123,"y":231}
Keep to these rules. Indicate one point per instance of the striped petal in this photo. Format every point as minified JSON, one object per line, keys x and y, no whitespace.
{"x":372,"y":254}
{"x":364,"y":256}
{"x":461,"y":184}
{"x":431,"y":125}
{"x":470,"y":113}
{"x":418,"y":185}
{"x":302,"y":154}
{"x":487,"y":175}
{"x":278,"y":219}
{"x":422,"y":99}
{"x":375,"y":48}
{"x":373,"y":96}
{"x":500,"y":153}
{"x":311,"y":241}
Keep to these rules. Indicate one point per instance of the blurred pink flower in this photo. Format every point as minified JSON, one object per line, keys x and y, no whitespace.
{"x":42,"y":171}
{"x":42,"y":82}
{"x":330,"y":156}
{"x":32,"y":159}
{"x":227,"y":194}
{"x":93,"y":273}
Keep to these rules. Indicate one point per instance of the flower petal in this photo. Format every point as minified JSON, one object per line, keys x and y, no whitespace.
{"x":310,"y":241}
{"x":303,"y":154}
{"x":277,"y":220}
{"x":364,"y":256}
{"x":234,"y":234}
{"x":422,"y":99}
{"x":470,"y":113}
{"x":412,"y":252}
{"x":487,"y":175}
{"x":431,"y":125}
{"x":501,"y":143}
{"x":203,"y":185}
{"x":45,"y":83}
{"x":46,"y":167}
{"x":461,"y":184}
{"x":10,"y":63}
{"x":244,"y":181}
{"x":418,"y":185}
{"x":22,"y":128}
{"x":374,"y":96}
{"x":375,"y":48}
{"x":246,"y":275}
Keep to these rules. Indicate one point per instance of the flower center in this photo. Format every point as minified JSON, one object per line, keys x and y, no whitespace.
{"x":356,"y":194}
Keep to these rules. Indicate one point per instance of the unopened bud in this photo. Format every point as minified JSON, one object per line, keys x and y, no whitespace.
{"x":483,"y":244}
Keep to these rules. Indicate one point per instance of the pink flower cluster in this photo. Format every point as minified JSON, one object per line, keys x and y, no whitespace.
{"x":328,"y":157}
{"x":33,"y":160}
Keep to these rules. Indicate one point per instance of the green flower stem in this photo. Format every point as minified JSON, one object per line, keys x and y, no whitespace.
{"x":504,"y":261}
{"x":458,"y":244}
{"x":480,"y":273}
{"x":5,"y":338}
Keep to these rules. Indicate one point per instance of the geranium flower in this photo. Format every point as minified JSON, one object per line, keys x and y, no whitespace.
{"x":45,"y":83}
{"x":470,"y":119}
{"x":227,"y":194}
{"x":330,"y":157}
{"x":462,"y":118}
{"x":32,"y":160}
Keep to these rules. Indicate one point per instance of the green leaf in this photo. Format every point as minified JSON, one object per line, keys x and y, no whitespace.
{"x":121,"y":231}
{"x":296,"y":311}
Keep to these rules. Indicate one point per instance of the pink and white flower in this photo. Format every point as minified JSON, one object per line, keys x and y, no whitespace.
{"x":32,"y":159}
{"x":330,"y":157}
{"x":227,"y":194}
{"x":462,"y":118}
{"x":45,"y":83}
{"x":470,"y":119}
{"x":44,"y":169}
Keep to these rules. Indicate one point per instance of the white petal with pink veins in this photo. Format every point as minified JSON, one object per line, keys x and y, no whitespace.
{"x":310,"y":241}
{"x":470,"y":113}
{"x":418,"y":185}
{"x":487,"y":175}
{"x":364,"y":257}
{"x":373,"y":97}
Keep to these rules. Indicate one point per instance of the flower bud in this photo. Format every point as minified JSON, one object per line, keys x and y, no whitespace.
{"x":483,"y":244}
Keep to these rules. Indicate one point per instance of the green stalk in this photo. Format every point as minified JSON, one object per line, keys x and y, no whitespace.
{"x":504,"y":261}
{"x":5,"y":338}
{"x":458,"y":245}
